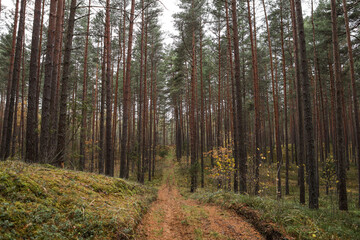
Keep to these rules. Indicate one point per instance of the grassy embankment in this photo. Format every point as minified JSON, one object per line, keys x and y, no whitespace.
{"x":44,"y":202}
{"x":288,"y":214}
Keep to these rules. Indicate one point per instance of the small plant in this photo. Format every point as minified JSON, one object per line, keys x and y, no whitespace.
{"x":224,"y":166}
{"x":328,"y":174}
{"x":163,"y":151}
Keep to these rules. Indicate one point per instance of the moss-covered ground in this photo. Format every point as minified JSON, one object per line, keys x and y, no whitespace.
{"x":43,"y":202}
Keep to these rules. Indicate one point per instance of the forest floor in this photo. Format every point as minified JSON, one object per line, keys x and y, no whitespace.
{"x":174,"y":217}
{"x":40,"y":201}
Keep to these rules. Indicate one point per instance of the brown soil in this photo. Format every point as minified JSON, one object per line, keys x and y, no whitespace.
{"x":172,"y":217}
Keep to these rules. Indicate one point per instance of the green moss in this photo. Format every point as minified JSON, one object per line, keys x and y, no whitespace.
{"x":44,"y":202}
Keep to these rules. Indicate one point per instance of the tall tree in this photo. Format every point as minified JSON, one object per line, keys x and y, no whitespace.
{"x":126,"y":96}
{"x":62,"y":125}
{"x":285,"y":101}
{"x":8,"y":120}
{"x":300,"y":133}
{"x":31,"y":123}
{"x":202,"y":119}
{"x":308,"y":120}
{"x":9,"y":84}
{"x":83,"y":99}
{"x":240,"y":160}
{"x":276,"y":109}
{"x":55,"y":80}
{"x":354,"y":91}
{"x":256,"y":99}
{"x":45,"y":153}
{"x":340,"y":154}
{"x":193,"y":184}
{"x":109,"y":165}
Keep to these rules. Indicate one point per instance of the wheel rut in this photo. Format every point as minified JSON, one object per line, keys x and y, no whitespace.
{"x":172,"y":217}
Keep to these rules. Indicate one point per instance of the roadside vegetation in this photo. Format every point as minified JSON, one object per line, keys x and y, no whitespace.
{"x":286,"y":215}
{"x":44,"y":202}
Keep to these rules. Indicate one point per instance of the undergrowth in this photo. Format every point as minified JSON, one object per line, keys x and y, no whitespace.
{"x":288,"y":214}
{"x":298,"y":221}
{"x":43,"y":202}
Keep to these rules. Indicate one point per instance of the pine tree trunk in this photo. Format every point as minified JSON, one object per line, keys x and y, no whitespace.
{"x":219,"y":119}
{"x":145,"y":111}
{"x":116,"y":97}
{"x":94,"y":121}
{"x":300,"y":135}
{"x":276,"y":110}
{"x":287,"y":191}
{"x":22,"y":112}
{"x":155,"y":122}
{"x":54,"y":76}
{"x":4,"y":130}
{"x":354,"y":93}
{"x":15,"y":124}
{"x":256,"y":100}
{"x":341,"y":161}
{"x":109,"y":165}
{"x":102,"y":115}
{"x":140,"y":111}
{"x":308,"y":121}
{"x":62,"y":127}
{"x":240,"y":160}
{"x":193,"y":169}
{"x":126,"y":96}
{"x":8,"y":120}
{"x":47,"y":89}
{"x":31,"y":121}
{"x":83,"y":99}
{"x":202,"y":129}
{"x":234,"y":113}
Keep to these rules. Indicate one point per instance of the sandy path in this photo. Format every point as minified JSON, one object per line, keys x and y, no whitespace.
{"x":173,"y":217}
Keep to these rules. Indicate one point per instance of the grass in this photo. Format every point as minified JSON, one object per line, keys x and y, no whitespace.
{"x":297,"y":220}
{"x":43,"y":202}
{"x":288,"y":214}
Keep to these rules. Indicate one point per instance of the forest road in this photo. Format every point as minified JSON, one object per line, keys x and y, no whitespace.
{"x":172,"y":217}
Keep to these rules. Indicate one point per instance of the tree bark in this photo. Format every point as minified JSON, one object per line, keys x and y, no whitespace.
{"x":240,"y":160}
{"x":354,"y":92}
{"x":193,"y":169}
{"x":31,"y":121}
{"x":126,"y":97}
{"x":47,"y":90}
{"x":308,"y":121}
{"x":8,"y":120}
{"x":276,"y":111}
{"x":62,"y":126}
{"x":341,"y":161}
{"x":256,"y":100}
{"x":287,"y":191}
{"x":300,"y":150}
{"x":83,"y":99}
{"x":109,"y":165}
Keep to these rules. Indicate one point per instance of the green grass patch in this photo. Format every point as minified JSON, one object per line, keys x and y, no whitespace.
{"x":43,"y":202}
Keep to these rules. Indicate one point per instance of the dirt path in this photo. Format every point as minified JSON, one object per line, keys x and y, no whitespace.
{"x":173,"y":217}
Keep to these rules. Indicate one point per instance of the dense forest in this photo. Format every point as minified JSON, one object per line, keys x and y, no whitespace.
{"x":254,"y":97}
